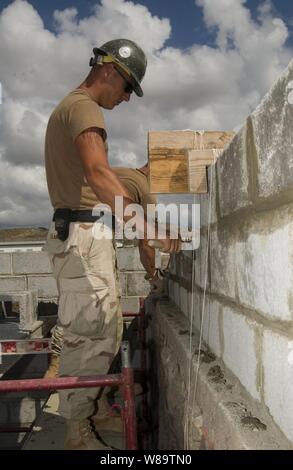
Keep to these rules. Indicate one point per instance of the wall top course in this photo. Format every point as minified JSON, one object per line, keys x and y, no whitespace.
{"x":272,"y":124}
{"x":233,"y":175}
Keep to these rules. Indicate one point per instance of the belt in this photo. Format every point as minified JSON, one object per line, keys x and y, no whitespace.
{"x":79,"y":215}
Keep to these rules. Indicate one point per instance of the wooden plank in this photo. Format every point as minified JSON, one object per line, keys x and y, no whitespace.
{"x":188,"y":139}
{"x":198,"y":161}
{"x":168,"y":172}
{"x":168,"y":160}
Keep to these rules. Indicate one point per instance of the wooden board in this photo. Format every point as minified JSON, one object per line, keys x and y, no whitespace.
{"x":168,"y":159}
{"x":198,"y":161}
{"x":168,"y":171}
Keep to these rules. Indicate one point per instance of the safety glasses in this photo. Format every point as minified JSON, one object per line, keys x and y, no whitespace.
{"x":128,"y":86}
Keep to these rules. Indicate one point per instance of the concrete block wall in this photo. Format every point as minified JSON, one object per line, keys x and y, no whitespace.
{"x":247,"y":277}
{"x":20,"y":271}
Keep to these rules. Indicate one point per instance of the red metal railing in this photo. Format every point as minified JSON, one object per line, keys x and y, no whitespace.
{"x":125,"y":379}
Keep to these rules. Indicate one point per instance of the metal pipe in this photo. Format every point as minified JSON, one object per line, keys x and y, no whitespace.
{"x":143,"y":359}
{"x":61,"y":383}
{"x":128,"y":398}
{"x":15,"y":429}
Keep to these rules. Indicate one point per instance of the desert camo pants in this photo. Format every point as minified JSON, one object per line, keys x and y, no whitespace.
{"x":89,"y":311}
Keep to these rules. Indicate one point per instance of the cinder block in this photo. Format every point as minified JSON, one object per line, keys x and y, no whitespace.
{"x":263,"y":269}
{"x":137,"y":285}
{"x":164,"y":259}
{"x":176,"y":293}
{"x":201,"y":263}
{"x":5,"y":263}
{"x":123,"y":283}
{"x":130,"y":304}
{"x":222,"y":261}
{"x":31,"y":263}
{"x":45,"y":285}
{"x":28,"y":302}
{"x":233,"y":175}
{"x":278,"y":379}
{"x":239,"y":349}
{"x":128,"y":259}
{"x":208,"y":206}
{"x":186,"y":266}
{"x":210,"y":328}
{"x":184,"y":301}
{"x":272,"y":122}
{"x":16,"y":410}
{"x":13,"y":283}
{"x":195,"y":305}
{"x":174,"y":260}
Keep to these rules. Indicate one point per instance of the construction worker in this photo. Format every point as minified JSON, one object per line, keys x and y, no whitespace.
{"x":136,"y":182}
{"x":84,"y":264}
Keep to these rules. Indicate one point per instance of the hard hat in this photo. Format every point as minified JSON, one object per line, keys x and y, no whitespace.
{"x":127,"y":55}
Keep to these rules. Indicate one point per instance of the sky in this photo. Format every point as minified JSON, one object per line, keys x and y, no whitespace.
{"x":210,"y":62}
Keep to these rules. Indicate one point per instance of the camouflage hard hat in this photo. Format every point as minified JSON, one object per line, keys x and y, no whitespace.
{"x":129,"y":58}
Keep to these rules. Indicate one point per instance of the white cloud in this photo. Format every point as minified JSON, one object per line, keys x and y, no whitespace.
{"x":199,"y":88}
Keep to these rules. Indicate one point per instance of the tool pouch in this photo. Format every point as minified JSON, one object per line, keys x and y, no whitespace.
{"x":62,"y":219}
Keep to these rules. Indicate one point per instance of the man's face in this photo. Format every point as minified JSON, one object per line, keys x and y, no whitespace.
{"x":118,"y":89}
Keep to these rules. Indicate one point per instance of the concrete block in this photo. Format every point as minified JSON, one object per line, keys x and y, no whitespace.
{"x":208,"y":202}
{"x":5,"y":263}
{"x":31,"y":263}
{"x":17,"y":410}
{"x":123,"y":283}
{"x":184,"y":301}
{"x":45,"y":285}
{"x":173,"y":264}
{"x":164,"y":259}
{"x":176,"y":293}
{"x":210,"y":328}
{"x":222,"y":261}
{"x":272,"y":123}
{"x":130,"y":304}
{"x":28,"y":303}
{"x":278,"y":379}
{"x":13,"y":283}
{"x":201,"y":263}
{"x":186,"y":266}
{"x":240,"y":349}
{"x":128,"y":259}
{"x":195,"y":302}
{"x":137,"y":285}
{"x":263,"y":269}
{"x":233,"y":176}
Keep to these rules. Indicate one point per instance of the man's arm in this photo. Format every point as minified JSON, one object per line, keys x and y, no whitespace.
{"x":103,"y":181}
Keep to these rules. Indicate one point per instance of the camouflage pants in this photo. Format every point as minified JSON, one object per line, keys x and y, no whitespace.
{"x":89,"y":312}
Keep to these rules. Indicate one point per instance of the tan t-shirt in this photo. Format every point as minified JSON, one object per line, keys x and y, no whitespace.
{"x":136,"y":184}
{"x":65,"y":176}
{"x":67,"y":185}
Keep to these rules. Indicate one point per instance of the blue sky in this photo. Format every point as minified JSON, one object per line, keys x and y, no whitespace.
{"x":185,"y":16}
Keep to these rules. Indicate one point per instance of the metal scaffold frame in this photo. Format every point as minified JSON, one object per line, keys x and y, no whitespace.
{"x":125,"y":379}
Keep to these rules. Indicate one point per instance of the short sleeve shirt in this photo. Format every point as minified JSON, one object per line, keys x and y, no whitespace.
{"x":67,"y":185}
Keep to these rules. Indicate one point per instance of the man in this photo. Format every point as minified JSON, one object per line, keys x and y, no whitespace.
{"x":136,"y":183}
{"x":84,"y":264}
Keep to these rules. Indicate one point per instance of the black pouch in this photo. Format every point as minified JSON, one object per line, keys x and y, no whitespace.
{"x":62,"y":219}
